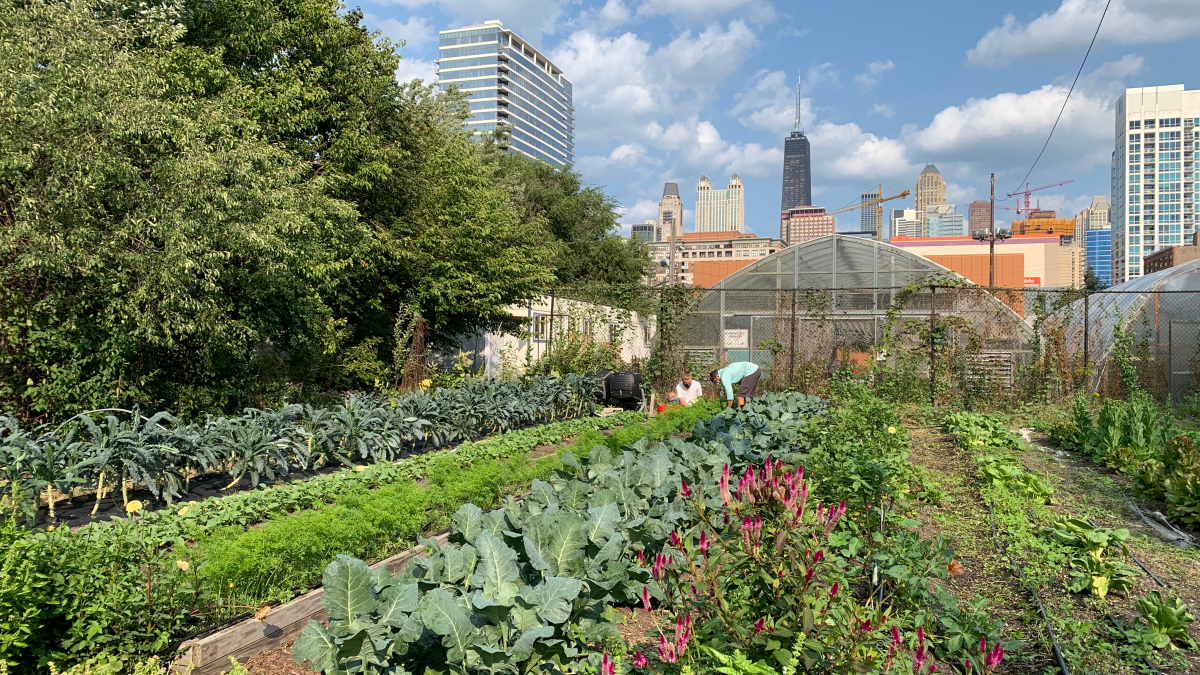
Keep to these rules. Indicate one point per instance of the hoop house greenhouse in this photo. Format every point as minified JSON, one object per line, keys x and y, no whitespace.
{"x":841,"y":299}
{"x":1157,"y":317}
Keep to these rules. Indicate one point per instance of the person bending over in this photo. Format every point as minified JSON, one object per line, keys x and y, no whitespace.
{"x":742,"y":373}
{"x":686,"y":392}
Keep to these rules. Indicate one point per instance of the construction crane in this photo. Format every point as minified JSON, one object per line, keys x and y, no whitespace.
{"x":878,"y":204}
{"x":1026,"y":192}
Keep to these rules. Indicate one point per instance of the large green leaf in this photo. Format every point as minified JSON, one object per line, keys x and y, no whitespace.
{"x":602,"y":522}
{"x":658,"y":470}
{"x":468,"y":522}
{"x":441,"y":614}
{"x":315,"y":645}
{"x":495,"y":522}
{"x":397,"y":603}
{"x":553,"y":597}
{"x":522,"y":649}
{"x":565,"y":550}
{"x":347,"y":588}
{"x":497,"y":569}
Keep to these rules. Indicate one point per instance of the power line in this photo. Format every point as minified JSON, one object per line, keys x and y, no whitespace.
{"x":1069,"y":91}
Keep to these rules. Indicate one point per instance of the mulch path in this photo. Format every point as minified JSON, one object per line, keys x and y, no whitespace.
{"x":278,"y":661}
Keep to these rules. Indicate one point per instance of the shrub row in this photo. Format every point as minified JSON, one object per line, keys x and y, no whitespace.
{"x":162,"y":453}
{"x":1140,"y":440}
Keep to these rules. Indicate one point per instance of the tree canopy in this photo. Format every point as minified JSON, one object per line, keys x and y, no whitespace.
{"x":209,"y":204}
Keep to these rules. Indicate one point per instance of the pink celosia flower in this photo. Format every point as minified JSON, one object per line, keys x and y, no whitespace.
{"x":639,"y":661}
{"x":833,"y":591}
{"x":684,"y":491}
{"x":760,"y":626}
{"x":642,"y":558}
{"x":675,"y":539}
{"x":704,"y":544}
{"x":646,"y":597}
{"x":607,"y":667}
{"x":666,"y":650}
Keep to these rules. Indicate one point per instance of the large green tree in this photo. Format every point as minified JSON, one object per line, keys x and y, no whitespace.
{"x":216,"y":203}
{"x":580,"y":221}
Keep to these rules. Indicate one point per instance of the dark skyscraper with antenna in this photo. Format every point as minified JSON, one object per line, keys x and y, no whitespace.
{"x":797,"y":165}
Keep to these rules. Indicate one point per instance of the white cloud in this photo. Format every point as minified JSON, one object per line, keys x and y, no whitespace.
{"x":621,"y":84}
{"x":700,"y":61}
{"x":626,"y":155}
{"x":1008,"y":129}
{"x":529,"y":17}
{"x":415,"y":33}
{"x":846,"y":153}
{"x":1070,"y":28}
{"x":769,"y":103}
{"x":885,"y":109}
{"x":416,"y":69}
{"x":700,"y":148}
{"x":873,"y":75}
{"x":825,"y":72}
{"x":697,"y":11}
{"x":641,"y":211}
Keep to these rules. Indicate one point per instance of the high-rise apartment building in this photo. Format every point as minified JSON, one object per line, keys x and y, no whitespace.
{"x":648,"y":231}
{"x":869,"y":218}
{"x":906,"y":224}
{"x":1093,"y":217}
{"x":802,"y":223}
{"x":797,"y":165}
{"x":510,"y":84}
{"x":931,"y":189}
{"x":720,"y":210}
{"x":943,"y":220}
{"x":979,"y":217}
{"x":670,"y":212}
{"x":1154,"y":191}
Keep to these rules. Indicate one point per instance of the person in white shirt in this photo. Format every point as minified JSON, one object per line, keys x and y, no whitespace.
{"x":686,"y":392}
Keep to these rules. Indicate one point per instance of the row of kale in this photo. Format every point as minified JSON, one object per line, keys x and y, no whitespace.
{"x":111,"y":450}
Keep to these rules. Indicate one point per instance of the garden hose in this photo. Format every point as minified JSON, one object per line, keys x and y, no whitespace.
{"x":1062,"y":662}
{"x":1117,"y":625}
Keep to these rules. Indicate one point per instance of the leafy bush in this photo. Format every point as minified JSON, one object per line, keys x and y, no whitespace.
{"x":1140,"y":440}
{"x":1166,"y":620}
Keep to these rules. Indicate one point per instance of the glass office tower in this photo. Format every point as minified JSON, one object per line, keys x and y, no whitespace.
{"x":512,"y":84}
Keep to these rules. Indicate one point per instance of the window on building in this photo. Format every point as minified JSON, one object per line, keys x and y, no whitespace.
{"x":1149,"y":124}
{"x":1135,"y":124}
{"x":1169,"y":122}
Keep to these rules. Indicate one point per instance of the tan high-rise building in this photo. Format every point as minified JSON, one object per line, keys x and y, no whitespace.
{"x":720,"y":210}
{"x":931,"y":190}
{"x":670,"y":212}
{"x":1094,"y":217}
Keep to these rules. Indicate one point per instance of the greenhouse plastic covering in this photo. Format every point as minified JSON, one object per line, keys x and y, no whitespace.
{"x":1152,"y":307}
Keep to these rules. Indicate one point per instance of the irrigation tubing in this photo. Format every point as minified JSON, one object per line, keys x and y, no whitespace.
{"x":1117,"y":625}
{"x":1062,"y":662}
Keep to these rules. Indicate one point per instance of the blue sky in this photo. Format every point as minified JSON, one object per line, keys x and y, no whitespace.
{"x":672,"y":89}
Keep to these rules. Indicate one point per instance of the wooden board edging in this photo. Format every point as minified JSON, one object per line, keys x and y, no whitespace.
{"x":209,"y":655}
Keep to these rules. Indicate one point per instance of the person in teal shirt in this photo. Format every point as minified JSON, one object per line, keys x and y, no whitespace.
{"x":742,"y":373}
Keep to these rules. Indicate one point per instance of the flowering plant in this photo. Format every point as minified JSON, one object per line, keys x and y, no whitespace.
{"x":757,"y":575}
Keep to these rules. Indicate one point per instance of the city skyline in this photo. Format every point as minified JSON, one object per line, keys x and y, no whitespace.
{"x":665,"y":92}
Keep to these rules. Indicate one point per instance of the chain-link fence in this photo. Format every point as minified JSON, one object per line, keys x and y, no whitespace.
{"x":919,"y":343}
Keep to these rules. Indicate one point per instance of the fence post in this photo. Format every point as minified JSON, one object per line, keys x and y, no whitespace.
{"x":1086,"y":321}
{"x":792,"y":348}
{"x":550,"y":334}
{"x":932,"y":357}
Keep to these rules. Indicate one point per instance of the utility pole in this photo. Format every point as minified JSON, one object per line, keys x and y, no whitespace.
{"x":992,"y":231}
{"x":990,"y":235}
{"x":671,"y":220}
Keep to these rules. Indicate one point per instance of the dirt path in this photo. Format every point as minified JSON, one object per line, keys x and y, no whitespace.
{"x":962,"y":517}
{"x":1087,"y":490}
